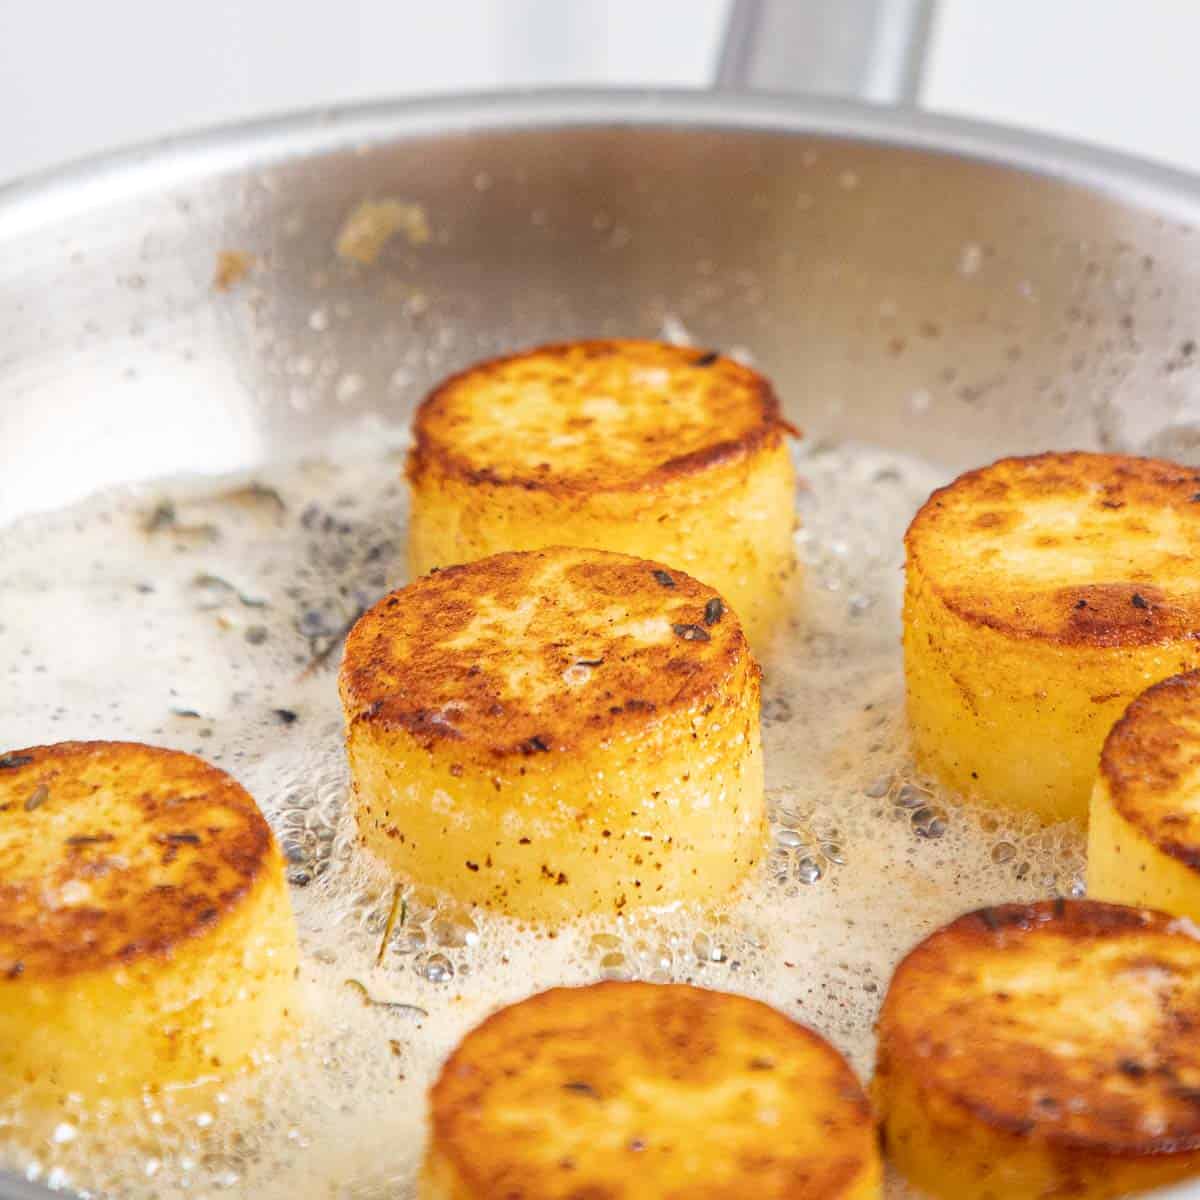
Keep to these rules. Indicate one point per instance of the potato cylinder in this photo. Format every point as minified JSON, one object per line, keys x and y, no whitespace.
{"x":1044,"y":1049}
{"x":1042,"y":595}
{"x":146,"y":938}
{"x":665,"y":452}
{"x":1144,"y":831}
{"x":557,"y":732}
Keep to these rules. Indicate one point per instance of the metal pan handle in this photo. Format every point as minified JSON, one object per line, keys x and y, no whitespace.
{"x":870,"y":50}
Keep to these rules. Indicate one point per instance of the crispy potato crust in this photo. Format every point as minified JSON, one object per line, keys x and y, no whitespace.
{"x":523,"y":654}
{"x":112,"y":851}
{"x":625,"y":1090}
{"x":1076,"y":549}
{"x":595,"y":416}
{"x":1044,"y":1049}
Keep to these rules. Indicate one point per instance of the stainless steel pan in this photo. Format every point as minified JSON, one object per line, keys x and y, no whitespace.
{"x":938,"y":286}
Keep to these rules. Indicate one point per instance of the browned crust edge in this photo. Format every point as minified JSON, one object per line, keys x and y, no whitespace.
{"x":355,"y":674}
{"x":1081,"y":919}
{"x":1093,"y":609}
{"x":428,"y":454}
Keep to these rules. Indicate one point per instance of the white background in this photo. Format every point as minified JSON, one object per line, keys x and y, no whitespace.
{"x":78,"y":76}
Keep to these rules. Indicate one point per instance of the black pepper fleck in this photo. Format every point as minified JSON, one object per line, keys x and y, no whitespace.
{"x":582,"y":1088}
{"x":706,"y":360}
{"x":9,"y":761}
{"x":714,"y":610}
{"x":1138,"y":601}
{"x":664,"y":578}
{"x":691,"y":633}
{"x":286,"y":716}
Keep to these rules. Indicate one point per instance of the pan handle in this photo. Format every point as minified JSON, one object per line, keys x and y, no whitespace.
{"x":863,"y":49}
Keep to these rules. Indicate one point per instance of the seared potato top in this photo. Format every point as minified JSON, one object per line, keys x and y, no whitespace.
{"x":112,"y":851}
{"x":595,"y":416}
{"x":1151,"y":766}
{"x":1074,"y":1020}
{"x":638,"y":1089}
{"x":1091,"y":549}
{"x":541,"y":650}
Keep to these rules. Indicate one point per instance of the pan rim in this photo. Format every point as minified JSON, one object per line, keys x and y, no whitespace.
{"x":49,"y":196}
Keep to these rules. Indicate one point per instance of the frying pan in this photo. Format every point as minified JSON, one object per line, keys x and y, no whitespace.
{"x":936,"y":286}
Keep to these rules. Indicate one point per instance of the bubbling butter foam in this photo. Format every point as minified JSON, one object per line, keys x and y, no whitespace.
{"x":208,"y":616}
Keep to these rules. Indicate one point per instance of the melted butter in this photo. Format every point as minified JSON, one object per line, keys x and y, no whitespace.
{"x":219,"y":633}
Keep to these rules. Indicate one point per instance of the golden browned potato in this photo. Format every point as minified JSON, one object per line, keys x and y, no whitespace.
{"x":1144,"y":831}
{"x":665,"y":452}
{"x":1046,"y":1050}
{"x":1043,"y":594}
{"x":639,"y":1091}
{"x":557,"y":732}
{"x":146,"y":938}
